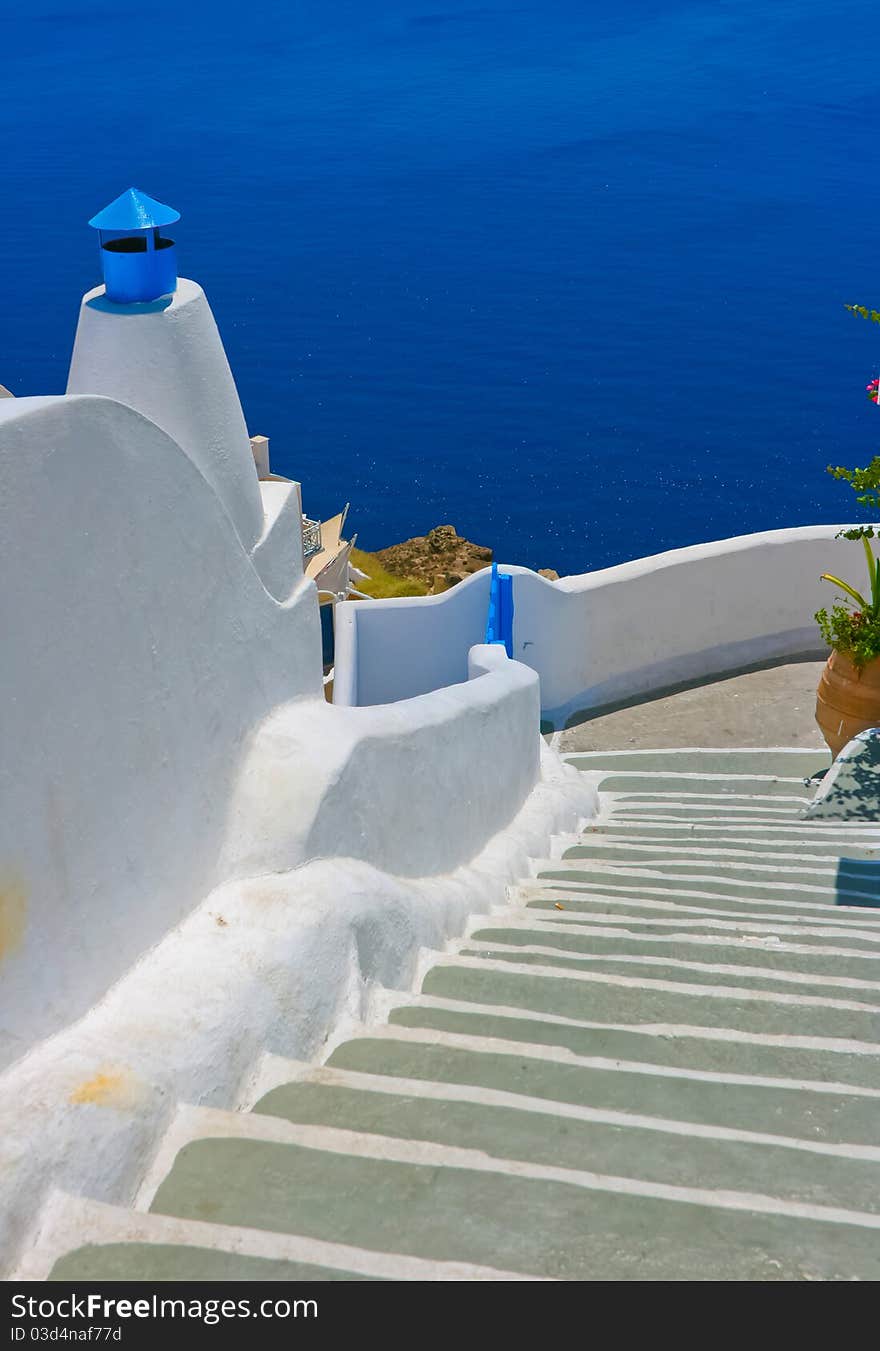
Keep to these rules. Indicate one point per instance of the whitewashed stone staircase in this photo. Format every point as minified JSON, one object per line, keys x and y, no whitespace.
{"x":662,"y":1061}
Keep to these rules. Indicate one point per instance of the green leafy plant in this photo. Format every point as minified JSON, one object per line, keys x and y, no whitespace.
{"x":851,"y":632}
{"x":853,"y":625}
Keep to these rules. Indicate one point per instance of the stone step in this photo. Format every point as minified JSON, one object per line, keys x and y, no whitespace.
{"x":444,"y":1203}
{"x":782,"y":1107}
{"x":711,"y":786}
{"x":129,"y":1245}
{"x":775,"y":804}
{"x":847,"y":892}
{"x":794,"y":834}
{"x":784,"y":763}
{"x":627,"y":999}
{"x":696,"y":876}
{"x":718,"y":975}
{"x":693,"y":855}
{"x":518,"y":1125}
{"x":635,"y":822}
{"x":585,"y":911}
{"x":699,"y":813}
{"x":794,"y":849}
{"x":752,"y":868}
{"x":844,"y":881}
{"x":773,"y":954}
{"x":690,"y":900}
{"x":674,"y":1045}
{"x":610,"y":880}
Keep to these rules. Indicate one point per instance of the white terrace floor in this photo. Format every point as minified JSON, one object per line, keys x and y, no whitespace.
{"x":660,"y":1061}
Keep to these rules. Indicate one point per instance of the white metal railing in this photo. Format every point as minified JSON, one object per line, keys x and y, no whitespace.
{"x":311,"y":532}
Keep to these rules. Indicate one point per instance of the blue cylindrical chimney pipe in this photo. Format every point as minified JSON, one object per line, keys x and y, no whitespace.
{"x":139,"y":263}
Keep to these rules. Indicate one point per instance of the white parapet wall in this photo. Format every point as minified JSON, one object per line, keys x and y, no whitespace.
{"x":610,"y":635}
{"x":369,"y":783}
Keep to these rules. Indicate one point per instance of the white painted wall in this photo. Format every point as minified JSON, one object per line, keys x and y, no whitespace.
{"x":165,"y":359}
{"x":278,"y":554}
{"x":369,"y":783}
{"x":394,"y":649}
{"x":608,"y":635}
{"x":140,"y":651}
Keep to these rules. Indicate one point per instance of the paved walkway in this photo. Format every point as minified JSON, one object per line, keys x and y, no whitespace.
{"x":771,"y":707}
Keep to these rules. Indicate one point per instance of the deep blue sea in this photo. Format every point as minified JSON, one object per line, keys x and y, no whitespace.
{"x":568,"y":275}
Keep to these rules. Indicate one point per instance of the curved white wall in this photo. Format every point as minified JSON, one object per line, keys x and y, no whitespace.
{"x":416,"y":788}
{"x":609,"y":635}
{"x":166,"y":360}
{"x":395,"y":649}
{"x":140,"y":652}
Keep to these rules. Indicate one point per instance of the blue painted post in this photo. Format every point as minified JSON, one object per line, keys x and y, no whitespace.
{"x":492,"y":634}
{"x":499,"y":622}
{"x":505,"y":598}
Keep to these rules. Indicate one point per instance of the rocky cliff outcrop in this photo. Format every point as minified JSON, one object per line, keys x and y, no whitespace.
{"x":440,"y":559}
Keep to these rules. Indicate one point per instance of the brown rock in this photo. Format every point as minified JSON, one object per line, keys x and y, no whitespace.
{"x":550,"y":573}
{"x":442,"y":537}
{"x":440,"y":559}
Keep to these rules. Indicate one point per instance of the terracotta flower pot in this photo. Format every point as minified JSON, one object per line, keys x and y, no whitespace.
{"x":847,"y":700}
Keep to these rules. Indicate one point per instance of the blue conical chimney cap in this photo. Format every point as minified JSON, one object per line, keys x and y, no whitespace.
{"x":134,"y":210}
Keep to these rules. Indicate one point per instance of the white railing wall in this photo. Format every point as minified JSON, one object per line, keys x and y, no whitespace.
{"x":606,"y":636}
